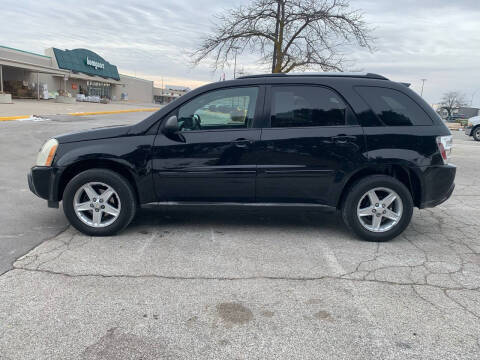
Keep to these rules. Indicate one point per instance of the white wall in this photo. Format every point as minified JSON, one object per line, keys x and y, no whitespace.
{"x":138,"y":90}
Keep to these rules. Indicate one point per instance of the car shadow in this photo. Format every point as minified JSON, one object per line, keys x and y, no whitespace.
{"x":238,"y":216}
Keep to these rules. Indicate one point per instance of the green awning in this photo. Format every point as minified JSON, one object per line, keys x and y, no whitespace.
{"x":86,"y":62}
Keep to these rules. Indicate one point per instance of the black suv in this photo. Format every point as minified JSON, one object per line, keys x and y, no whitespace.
{"x":370,"y":147}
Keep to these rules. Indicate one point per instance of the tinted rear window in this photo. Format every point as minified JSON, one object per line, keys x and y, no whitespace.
{"x":393,"y":107}
{"x":301,"y":106}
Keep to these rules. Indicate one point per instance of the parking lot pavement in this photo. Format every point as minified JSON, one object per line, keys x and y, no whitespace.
{"x":25,"y":220}
{"x":241,"y":283}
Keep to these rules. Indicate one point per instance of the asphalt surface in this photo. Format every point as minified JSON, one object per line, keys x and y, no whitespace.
{"x":233,"y":283}
{"x":25,"y":219}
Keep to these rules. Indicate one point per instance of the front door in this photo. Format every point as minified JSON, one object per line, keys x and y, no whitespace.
{"x":212,"y":156}
{"x":311,"y":141}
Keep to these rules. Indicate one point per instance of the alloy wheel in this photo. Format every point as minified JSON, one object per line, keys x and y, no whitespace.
{"x":379,"y":209}
{"x":97,"y":204}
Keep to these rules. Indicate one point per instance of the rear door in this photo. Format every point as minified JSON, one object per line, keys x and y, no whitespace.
{"x":310,"y":143}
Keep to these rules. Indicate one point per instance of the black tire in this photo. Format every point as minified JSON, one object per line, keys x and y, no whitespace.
{"x":356,"y":193}
{"x":112,"y":179}
{"x":476,"y":133}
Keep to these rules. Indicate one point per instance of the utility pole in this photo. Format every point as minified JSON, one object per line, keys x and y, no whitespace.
{"x":163,"y":98}
{"x":423,"y":83}
{"x":235,"y":66}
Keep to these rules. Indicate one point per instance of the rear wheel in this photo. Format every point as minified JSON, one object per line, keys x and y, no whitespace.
{"x":378,"y":208}
{"x":99,"y":202}
{"x":476,"y":133}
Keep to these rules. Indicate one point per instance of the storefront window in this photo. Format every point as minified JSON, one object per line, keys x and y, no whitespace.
{"x":95,"y":88}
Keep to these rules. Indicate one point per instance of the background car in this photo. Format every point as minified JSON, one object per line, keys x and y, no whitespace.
{"x":473,"y":128}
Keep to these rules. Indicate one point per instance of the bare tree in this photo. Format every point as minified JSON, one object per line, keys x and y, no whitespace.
{"x":288,"y":34}
{"x":451,"y":101}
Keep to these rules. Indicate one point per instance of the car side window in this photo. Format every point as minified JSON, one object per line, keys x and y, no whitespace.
{"x":393,"y":107}
{"x":301,"y":106}
{"x":221,"y":109}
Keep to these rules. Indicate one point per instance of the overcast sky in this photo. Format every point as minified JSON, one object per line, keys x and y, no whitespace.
{"x":434,"y":39}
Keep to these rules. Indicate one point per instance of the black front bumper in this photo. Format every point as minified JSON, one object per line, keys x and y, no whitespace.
{"x":43,"y":182}
{"x":438,"y":185}
{"x":468,"y":130}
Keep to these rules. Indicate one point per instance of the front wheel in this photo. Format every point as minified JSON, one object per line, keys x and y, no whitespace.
{"x":378,"y":208}
{"x":99,"y":202}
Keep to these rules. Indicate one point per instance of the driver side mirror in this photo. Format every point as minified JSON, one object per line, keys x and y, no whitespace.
{"x":171,"y":125}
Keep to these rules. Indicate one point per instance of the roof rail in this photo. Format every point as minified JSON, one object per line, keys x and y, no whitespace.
{"x":327,"y":74}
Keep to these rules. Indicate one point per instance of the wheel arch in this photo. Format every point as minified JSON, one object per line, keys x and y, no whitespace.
{"x":402,"y":173}
{"x":76,"y":168}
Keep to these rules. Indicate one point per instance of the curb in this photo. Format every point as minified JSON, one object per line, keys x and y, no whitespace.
{"x":113,"y":112}
{"x":9,"y":118}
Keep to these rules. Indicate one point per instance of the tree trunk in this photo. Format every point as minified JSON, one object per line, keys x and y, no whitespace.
{"x":281,"y":29}
{"x":277,"y":26}
{"x":449,"y":112}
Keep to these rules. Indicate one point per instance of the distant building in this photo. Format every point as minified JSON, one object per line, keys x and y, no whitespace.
{"x":468,"y":112}
{"x":464,"y":112}
{"x":168,"y":94}
{"x":81,"y":72}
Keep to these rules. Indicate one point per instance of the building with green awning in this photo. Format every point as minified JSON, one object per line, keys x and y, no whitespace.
{"x":79,"y":73}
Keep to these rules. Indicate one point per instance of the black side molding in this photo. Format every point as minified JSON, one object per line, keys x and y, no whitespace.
{"x":53,"y":204}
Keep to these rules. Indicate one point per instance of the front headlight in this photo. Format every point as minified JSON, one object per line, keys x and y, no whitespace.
{"x":47,"y":152}
{"x":470,"y":124}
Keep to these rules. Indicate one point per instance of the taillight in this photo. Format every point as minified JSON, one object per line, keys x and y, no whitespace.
{"x":445,"y":144}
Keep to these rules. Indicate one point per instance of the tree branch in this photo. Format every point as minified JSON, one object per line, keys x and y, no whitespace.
{"x":288,"y":34}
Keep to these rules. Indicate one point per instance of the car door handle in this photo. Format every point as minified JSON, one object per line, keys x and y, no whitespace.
{"x":342,"y":139}
{"x":242,"y":143}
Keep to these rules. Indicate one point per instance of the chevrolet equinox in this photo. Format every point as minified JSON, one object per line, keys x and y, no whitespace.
{"x":367,"y":146}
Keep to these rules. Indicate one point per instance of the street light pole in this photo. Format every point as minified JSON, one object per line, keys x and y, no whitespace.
{"x":423,"y":83}
{"x":471,"y":100}
{"x":235,"y":48}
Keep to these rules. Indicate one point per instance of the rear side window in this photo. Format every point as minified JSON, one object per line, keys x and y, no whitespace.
{"x":393,"y":107}
{"x":300,"y":106}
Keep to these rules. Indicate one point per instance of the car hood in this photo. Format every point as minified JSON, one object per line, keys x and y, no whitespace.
{"x":475,"y":120}
{"x":94,"y":134}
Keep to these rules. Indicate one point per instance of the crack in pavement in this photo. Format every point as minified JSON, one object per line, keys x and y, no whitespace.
{"x":53,"y":237}
{"x":426,"y":268}
{"x":240,"y":278}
